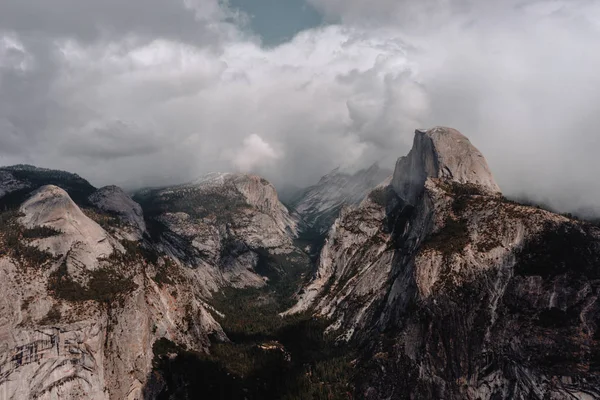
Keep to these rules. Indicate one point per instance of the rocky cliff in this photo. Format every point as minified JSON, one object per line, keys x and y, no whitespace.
{"x":317,"y":207}
{"x":432,"y":285}
{"x":225,"y":225}
{"x":454,"y":292}
{"x":113,"y":200}
{"x":89,"y":293}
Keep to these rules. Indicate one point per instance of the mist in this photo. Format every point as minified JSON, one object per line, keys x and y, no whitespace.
{"x":160,"y":92}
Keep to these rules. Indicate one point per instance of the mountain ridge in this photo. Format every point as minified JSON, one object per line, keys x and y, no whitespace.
{"x":430,"y":275}
{"x":446,"y":283}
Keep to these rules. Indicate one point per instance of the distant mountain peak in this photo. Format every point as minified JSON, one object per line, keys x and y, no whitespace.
{"x":319,"y":205}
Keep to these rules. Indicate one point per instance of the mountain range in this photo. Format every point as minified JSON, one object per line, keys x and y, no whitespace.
{"x":420,"y":283}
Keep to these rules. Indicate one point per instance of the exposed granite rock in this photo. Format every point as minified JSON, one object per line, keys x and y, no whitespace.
{"x":318,"y":206}
{"x":440,"y":153}
{"x":454,"y":292}
{"x":82,"y":322}
{"x":82,"y":241}
{"x":114,"y":200}
{"x":220,"y":225}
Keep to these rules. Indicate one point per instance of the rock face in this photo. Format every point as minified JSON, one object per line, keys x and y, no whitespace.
{"x":441,"y":153}
{"x":318,"y":206}
{"x":224,"y":225}
{"x":444,"y":288}
{"x":455,"y":292}
{"x":113,"y":199}
{"x":82,"y":309}
{"x":81,"y":240}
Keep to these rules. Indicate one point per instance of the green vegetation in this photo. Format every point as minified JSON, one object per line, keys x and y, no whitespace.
{"x":464,"y":195}
{"x":14,"y":241}
{"x":78,"y":188}
{"x":196,"y":203}
{"x":40,"y":232}
{"x":108,"y":221}
{"x":452,"y":238}
{"x":557,"y":318}
{"x":254,"y":311}
{"x":379,"y":196}
{"x":269,"y":357}
{"x":296,"y":362}
{"x":163,"y":273}
{"x":561,"y":249}
{"x":104,"y":285}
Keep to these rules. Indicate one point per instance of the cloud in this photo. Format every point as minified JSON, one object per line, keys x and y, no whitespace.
{"x":193,"y":21}
{"x":254,"y":154}
{"x":149,"y":94}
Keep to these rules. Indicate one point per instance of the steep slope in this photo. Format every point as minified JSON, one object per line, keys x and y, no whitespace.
{"x":229,"y":226}
{"x":96,"y":304}
{"x":80,"y":311}
{"x":455,"y":292}
{"x":113,"y":200}
{"x":318,"y":206}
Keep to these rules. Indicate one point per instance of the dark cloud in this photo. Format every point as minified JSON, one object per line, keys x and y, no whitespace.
{"x":111,"y":141}
{"x":193,"y":21}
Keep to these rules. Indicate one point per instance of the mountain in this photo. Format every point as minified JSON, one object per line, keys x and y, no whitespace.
{"x":226,"y":225}
{"x":113,"y":200}
{"x":318,"y":206}
{"x":18,"y":181}
{"x":94,"y":291}
{"x":81,"y":309}
{"x":452,"y":291}
{"x":429,"y":284}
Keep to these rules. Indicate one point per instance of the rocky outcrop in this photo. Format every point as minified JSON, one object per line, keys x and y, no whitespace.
{"x":317,"y":207}
{"x":222,"y":225}
{"x":114,"y":200}
{"x":441,"y":287}
{"x":80,"y":312}
{"x":455,"y":292}
{"x":84,"y":304}
{"x":440,"y":153}
{"x":355,"y":237}
{"x":79,"y":238}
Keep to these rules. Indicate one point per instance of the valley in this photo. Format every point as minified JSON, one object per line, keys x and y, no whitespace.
{"x":424,"y":283}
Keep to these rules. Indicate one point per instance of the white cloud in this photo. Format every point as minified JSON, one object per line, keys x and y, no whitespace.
{"x":335,"y":96}
{"x":255,"y":154}
{"x":153,"y":104}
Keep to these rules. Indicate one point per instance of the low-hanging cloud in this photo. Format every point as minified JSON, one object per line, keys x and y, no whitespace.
{"x":166,"y":99}
{"x":254,"y":155}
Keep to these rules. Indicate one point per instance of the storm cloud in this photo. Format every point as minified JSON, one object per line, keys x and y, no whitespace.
{"x":156,"y":92}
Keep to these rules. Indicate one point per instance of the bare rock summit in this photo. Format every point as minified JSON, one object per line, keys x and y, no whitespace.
{"x":441,"y":153}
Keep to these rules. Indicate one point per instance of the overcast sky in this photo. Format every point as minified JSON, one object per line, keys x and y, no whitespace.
{"x":148,"y":92}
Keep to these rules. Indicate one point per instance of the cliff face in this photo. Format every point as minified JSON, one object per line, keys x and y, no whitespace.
{"x":113,"y":200}
{"x":88,"y":292}
{"x":455,"y":292}
{"x":441,"y":153}
{"x":318,"y":206}
{"x":79,"y":311}
{"x":435,"y":286}
{"x":224,"y":225}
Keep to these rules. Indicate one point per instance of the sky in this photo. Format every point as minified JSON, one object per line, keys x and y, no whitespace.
{"x":155,"y":92}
